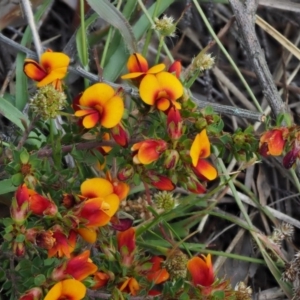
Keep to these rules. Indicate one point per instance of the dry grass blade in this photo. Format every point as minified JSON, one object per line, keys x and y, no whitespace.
{"x":278,"y":36}
{"x":281,"y":4}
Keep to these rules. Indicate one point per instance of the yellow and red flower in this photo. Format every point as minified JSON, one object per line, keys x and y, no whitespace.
{"x":161,"y":90}
{"x":273,"y":141}
{"x":100,"y":104}
{"x":199,"y":151}
{"x":130,"y":286}
{"x":201,"y":270}
{"x":64,"y":244}
{"x":79,"y":267}
{"x":52,"y":68}
{"x":101,"y":202}
{"x":148,"y":151}
{"x":157,"y":274}
{"x":70,"y":289}
{"x":137,"y":66}
{"x":126,"y":245}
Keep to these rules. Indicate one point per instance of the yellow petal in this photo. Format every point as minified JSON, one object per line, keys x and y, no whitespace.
{"x":112,"y":112}
{"x":156,"y":69}
{"x":200,"y":147}
{"x":132,"y":75}
{"x":73,"y":289}
{"x":96,"y":187}
{"x":55,"y":292}
{"x":171,"y":84}
{"x":113,"y":202}
{"x":97,"y":94}
{"x":88,"y":234}
{"x":149,"y":88}
{"x":137,"y":63}
{"x":54,"y":60}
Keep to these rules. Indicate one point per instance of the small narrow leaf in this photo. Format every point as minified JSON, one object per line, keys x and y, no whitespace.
{"x":111,"y":15}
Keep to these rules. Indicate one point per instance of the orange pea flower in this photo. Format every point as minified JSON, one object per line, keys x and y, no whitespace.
{"x":32,"y":294}
{"x":79,"y":267}
{"x":101,"y":279}
{"x":126,"y":245}
{"x":70,"y":289}
{"x":137,"y":66}
{"x":64,"y":244}
{"x":52,"y":68}
{"x":201,"y":270}
{"x":156,"y":274}
{"x":120,"y":188}
{"x":130,"y":286}
{"x":273,"y":141}
{"x":101,"y":204}
{"x":100,"y":104}
{"x":161,"y":90}
{"x":148,"y":151}
{"x":201,"y":149}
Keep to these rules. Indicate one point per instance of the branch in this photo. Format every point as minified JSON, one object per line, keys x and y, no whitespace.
{"x":222,"y":109}
{"x":245,"y":18}
{"x":103,"y":295}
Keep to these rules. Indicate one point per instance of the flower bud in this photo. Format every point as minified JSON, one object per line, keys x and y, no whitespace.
{"x":194,"y":186}
{"x":290,"y":158}
{"x":175,"y":68}
{"x":172,"y":157}
{"x":161,"y":182}
{"x":18,"y":248}
{"x":32,"y":294}
{"x":125,"y":173}
{"x":174,"y":123}
{"x":120,"y":135}
{"x":45,"y":239}
{"x":165,"y":200}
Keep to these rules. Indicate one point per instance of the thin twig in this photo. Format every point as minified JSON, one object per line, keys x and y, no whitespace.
{"x":102,"y":295}
{"x":245,"y":18}
{"x":27,"y":132}
{"x":26,"y":5}
{"x":222,"y":109}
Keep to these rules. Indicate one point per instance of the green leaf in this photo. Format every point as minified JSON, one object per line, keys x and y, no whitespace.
{"x":6,"y":186}
{"x":83,"y":51}
{"x":17,"y":179}
{"x":12,"y":113}
{"x":20,"y":238}
{"x":39,"y":280}
{"x":111,"y":15}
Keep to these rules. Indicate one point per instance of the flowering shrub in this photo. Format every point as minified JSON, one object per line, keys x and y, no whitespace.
{"x":73,"y":232}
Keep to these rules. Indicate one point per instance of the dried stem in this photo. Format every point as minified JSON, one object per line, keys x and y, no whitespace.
{"x":27,"y":10}
{"x":245,"y":18}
